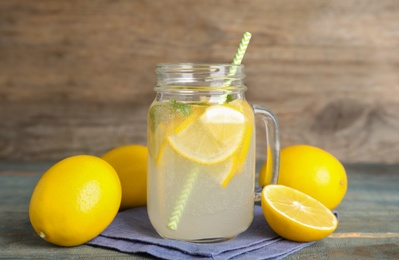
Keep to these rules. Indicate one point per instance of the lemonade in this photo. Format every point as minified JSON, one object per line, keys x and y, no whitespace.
{"x":201,"y":167}
{"x":201,"y":152}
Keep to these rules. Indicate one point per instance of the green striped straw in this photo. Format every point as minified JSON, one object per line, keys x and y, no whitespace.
{"x":181,"y":202}
{"x":242,"y":47}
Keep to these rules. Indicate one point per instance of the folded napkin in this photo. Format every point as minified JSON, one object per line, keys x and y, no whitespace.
{"x":131,"y":232}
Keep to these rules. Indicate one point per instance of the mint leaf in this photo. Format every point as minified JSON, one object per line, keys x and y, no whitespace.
{"x":229,"y":98}
{"x":182,"y":108}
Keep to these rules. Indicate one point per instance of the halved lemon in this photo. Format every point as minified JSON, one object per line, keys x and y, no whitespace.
{"x":212,"y":137}
{"x":296,"y":216}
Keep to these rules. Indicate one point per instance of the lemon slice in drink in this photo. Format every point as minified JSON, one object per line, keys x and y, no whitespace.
{"x":296,"y":216}
{"x":211,"y":137}
{"x":223,"y":172}
{"x":246,"y":109}
{"x":164,"y":120}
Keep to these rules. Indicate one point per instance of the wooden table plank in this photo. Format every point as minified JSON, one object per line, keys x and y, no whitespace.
{"x":369,"y":217}
{"x":368,"y":228}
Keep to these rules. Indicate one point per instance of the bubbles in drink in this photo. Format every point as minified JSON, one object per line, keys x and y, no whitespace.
{"x":201,"y":161}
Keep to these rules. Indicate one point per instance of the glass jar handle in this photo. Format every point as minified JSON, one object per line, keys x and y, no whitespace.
{"x":273,"y":146}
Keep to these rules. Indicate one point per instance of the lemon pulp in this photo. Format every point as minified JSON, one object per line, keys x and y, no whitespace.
{"x":295,"y":215}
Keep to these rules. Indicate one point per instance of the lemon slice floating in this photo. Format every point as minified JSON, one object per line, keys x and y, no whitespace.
{"x":296,"y":216}
{"x":246,"y":109}
{"x":223,"y":172}
{"x":211,"y":137}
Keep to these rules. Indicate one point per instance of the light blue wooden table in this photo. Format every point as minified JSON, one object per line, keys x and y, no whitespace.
{"x":368,"y":228}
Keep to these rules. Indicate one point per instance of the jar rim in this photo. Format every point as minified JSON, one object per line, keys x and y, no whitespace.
{"x":200,"y":64}
{"x":212,"y":67}
{"x":201,"y":75}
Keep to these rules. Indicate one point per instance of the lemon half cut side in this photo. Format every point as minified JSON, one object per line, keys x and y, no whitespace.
{"x":296,"y":216}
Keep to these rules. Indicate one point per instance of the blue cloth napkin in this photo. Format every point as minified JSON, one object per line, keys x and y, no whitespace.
{"x":131,"y":232}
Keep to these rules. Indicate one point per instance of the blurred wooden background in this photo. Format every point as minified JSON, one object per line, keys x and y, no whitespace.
{"x":77,"y":76}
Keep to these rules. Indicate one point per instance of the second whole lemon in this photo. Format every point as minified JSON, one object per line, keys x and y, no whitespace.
{"x":75,"y":200}
{"x":130,"y":162}
{"x":313,"y":171}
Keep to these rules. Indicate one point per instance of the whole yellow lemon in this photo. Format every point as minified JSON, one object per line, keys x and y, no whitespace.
{"x":313,"y":171}
{"x":75,"y":200}
{"x":130,"y":162}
